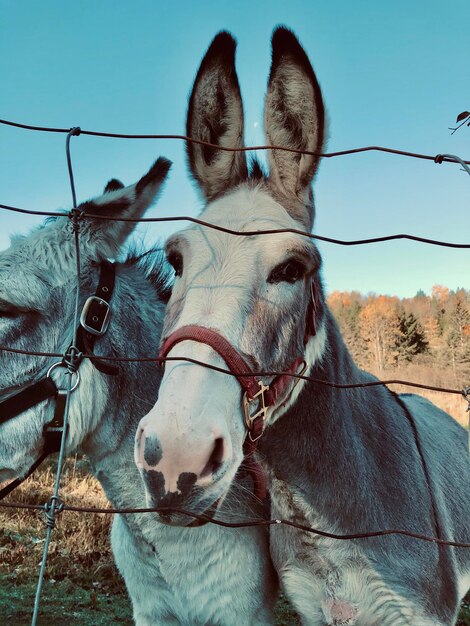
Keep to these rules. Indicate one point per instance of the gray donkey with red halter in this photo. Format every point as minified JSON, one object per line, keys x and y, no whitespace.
{"x":190,"y":576}
{"x":343,"y":461}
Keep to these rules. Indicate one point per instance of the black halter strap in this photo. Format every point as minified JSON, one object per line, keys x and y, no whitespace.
{"x":94,"y":322}
{"x":40,"y":391}
{"x":27,"y":398}
{"x":17,"y":482}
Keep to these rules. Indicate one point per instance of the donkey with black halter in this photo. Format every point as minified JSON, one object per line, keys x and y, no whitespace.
{"x":344,"y":461}
{"x":173,"y":575}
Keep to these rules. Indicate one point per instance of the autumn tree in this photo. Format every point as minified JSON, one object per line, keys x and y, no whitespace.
{"x":346,"y":308}
{"x":457,"y":338}
{"x":379,"y":326}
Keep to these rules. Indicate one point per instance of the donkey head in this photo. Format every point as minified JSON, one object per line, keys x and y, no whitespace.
{"x":254,"y":291}
{"x":38,"y":283}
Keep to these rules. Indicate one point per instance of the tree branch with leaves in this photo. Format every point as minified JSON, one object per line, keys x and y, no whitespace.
{"x":462,"y":118}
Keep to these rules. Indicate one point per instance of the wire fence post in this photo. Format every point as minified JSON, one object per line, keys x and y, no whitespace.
{"x":55,"y":504}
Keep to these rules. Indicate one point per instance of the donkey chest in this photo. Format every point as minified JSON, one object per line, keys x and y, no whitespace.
{"x":330,"y":582}
{"x":203,"y":576}
{"x":325,"y":558}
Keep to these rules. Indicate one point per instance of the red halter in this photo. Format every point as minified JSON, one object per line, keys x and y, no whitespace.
{"x":253,"y":387}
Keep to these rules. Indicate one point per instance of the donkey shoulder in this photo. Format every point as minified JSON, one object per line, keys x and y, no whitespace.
{"x":433,"y":422}
{"x":445,"y":447}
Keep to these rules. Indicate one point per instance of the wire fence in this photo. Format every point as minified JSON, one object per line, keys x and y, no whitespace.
{"x":55,"y":505}
{"x":245,"y":233}
{"x":76,"y":130}
{"x":62,"y":506}
{"x":150,"y":359}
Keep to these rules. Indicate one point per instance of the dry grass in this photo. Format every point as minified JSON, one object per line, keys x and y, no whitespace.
{"x":434,"y":376}
{"x":80,"y":542}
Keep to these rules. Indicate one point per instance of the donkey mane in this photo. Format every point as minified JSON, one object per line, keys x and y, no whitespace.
{"x":156,"y":269}
{"x":256,"y":170}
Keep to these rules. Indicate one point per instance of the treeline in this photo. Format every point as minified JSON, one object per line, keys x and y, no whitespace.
{"x":385,"y":332}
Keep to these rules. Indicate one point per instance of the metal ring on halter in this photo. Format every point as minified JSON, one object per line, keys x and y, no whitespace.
{"x":61,"y":364}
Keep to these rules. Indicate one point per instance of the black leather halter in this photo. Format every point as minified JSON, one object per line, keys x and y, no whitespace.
{"x":94,"y":321}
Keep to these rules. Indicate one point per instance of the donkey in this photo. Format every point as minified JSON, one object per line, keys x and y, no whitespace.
{"x":191,"y":576}
{"x":343,"y":461}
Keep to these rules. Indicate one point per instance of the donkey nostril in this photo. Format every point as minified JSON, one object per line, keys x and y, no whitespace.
{"x":215,"y":459}
{"x":152,"y":451}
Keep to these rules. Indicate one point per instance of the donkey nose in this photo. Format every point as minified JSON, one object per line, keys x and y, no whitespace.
{"x":215,"y":460}
{"x":182,"y":464}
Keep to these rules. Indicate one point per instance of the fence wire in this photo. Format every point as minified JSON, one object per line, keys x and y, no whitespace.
{"x":150,"y":359}
{"x":239,"y":233}
{"x":241,"y":524}
{"x":55,"y":504}
{"x":439,"y":158}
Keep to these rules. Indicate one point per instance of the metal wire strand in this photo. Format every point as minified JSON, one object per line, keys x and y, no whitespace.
{"x":247,"y":233}
{"x":319,"y":381}
{"x":55,"y":504}
{"x":73,"y":132}
{"x":52,"y":508}
{"x":447,"y":158}
{"x":241,"y":524}
{"x":439,"y":158}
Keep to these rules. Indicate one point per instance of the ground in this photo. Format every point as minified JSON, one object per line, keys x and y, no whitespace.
{"x":63,"y":602}
{"x":66,"y":603}
{"x":82,"y":585}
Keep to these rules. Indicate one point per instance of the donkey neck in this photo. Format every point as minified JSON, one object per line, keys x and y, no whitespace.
{"x":332,"y":441}
{"x":321,"y":417}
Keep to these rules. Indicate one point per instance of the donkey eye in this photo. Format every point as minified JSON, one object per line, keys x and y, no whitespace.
{"x":176,"y":261}
{"x":289,"y":272}
{"x":10,"y":312}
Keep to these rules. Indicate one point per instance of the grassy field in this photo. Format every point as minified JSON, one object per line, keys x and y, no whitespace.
{"x":82,"y":584}
{"x":64,"y":602}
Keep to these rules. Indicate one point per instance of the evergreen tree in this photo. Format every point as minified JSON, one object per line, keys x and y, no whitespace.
{"x":411,"y":339}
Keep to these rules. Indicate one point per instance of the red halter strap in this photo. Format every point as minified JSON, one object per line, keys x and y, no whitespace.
{"x":255,"y":390}
{"x":222,"y":346}
{"x":253,"y":387}
{"x":251,"y":384}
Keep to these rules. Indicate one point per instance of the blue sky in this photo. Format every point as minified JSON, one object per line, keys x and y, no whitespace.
{"x":392,"y":73}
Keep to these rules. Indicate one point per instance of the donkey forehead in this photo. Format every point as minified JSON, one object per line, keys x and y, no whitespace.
{"x":249,"y":207}
{"x":243,"y":210}
{"x":23,"y":281}
{"x":47,"y":251}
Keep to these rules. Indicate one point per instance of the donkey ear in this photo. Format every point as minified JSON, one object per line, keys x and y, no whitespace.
{"x":294,"y":118}
{"x":102,"y":238}
{"x":215,"y":115}
{"x":113,"y":185}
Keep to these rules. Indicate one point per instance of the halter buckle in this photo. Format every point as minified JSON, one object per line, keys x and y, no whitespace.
{"x":251,"y":421}
{"x":100,"y":318}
